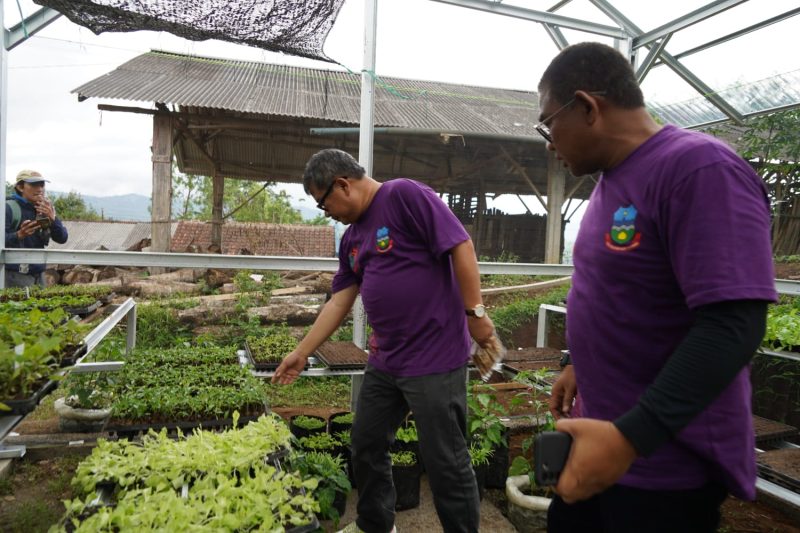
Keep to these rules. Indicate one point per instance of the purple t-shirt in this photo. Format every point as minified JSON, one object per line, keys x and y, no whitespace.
{"x":682,"y":222}
{"x":397,"y":253}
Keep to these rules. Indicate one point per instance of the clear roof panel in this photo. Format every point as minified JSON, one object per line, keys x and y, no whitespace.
{"x":756,"y":72}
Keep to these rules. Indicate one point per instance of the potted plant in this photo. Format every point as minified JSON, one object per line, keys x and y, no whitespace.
{"x":320,"y":442}
{"x":406,"y":438}
{"x":479,"y":455}
{"x":345,"y":452}
{"x":406,"y":475}
{"x":87,"y":404}
{"x":305,"y":425}
{"x":341,"y":421}
{"x":528,"y":503}
{"x":484,"y":425}
{"x":333,"y":487}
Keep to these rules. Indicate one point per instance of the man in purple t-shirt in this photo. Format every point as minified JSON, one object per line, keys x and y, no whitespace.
{"x":415,"y":267}
{"x":673,"y":274}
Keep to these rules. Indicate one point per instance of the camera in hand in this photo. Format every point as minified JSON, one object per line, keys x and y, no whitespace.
{"x":43,"y":222}
{"x":550,"y":452}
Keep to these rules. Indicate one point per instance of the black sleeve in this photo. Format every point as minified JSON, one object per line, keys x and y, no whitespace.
{"x":722,"y":340}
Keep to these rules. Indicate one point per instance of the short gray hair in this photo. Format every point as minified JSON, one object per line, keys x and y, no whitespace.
{"x":326,"y":165}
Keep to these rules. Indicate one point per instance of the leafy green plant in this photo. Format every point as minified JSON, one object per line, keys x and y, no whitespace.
{"x":407,"y":433}
{"x":93,"y":390}
{"x":320,"y":442}
{"x":308,"y":422}
{"x":479,"y":454}
{"x":542,"y":419}
{"x":272,"y":346}
{"x":484,"y":413}
{"x":331,"y":473}
{"x":346,"y":418}
{"x":157,"y":326}
{"x":403,"y":458}
{"x":783,"y":327}
{"x":510,"y":317}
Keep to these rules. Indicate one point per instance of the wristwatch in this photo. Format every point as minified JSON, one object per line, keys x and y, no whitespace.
{"x":479,"y":311}
{"x":565,"y":360}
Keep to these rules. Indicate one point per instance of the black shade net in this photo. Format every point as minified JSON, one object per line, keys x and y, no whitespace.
{"x":290,"y":26}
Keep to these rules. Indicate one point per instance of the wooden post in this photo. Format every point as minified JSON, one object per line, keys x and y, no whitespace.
{"x":217,"y":195}
{"x":161,"y":211}
{"x":555,"y":200}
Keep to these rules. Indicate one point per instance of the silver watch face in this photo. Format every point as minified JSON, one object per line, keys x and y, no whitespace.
{"x":480,"y":311}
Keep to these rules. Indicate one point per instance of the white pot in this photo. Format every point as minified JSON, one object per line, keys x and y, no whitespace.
{"x":76,"y":419}
{"x":527,"y":513}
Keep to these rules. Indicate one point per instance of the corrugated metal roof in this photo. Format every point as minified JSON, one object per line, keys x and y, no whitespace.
{"x":115,"y":236}
{"x":269,"y":89}
{"x":188,"y":235}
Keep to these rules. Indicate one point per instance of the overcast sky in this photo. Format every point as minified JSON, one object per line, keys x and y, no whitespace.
{"x":80,"y":149}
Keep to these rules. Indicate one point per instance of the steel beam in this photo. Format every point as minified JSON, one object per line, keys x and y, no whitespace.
{"x":30,"y":26}
{"x":538,"y":16}
{"x":698,"y":15}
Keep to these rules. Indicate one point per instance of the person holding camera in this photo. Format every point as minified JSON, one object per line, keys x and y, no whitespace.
{"x":30,"y":223}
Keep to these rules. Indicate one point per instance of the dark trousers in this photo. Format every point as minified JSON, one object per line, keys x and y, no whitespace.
{"x":622,"y":509}
{"x":15,"y":279}
{"x":438,"y":402}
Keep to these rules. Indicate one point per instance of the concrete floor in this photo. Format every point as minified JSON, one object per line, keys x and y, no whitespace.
{"x":424,"y":518}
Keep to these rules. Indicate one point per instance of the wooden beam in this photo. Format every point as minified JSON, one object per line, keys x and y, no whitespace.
{"x":162,"y":186}
{"x":217,"y":196}
{"x":521,"y":171}
{"x":555,"y":199}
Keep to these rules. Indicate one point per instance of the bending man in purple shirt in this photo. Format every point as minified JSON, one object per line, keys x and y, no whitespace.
{"x":415,"y":267}
{"x":673,"y":274}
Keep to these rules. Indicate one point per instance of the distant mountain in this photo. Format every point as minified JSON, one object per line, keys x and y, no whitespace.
{"x":121,"y":207}
{"x":136,"y":206}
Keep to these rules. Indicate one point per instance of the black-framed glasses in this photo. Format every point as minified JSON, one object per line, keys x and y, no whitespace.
{"x":544,"y":129}
{"x":328,"y":191}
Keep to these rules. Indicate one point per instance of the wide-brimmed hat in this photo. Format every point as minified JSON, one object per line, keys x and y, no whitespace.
{"x":30,"y":176}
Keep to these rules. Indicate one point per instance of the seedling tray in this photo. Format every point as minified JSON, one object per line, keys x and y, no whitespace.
{"x":341,"y":355}
{"x":261,"y":366}
{"x":770,"y":431}
{"x":26,"y":405}
{"x":74,"y":353}
{"x":782,"y":467}
{"x":131,"y":430}
{"x":82,"y":311}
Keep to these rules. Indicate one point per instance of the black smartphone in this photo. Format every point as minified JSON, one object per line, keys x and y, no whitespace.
{"x":43,"y":222}
{"x":550,"y":452}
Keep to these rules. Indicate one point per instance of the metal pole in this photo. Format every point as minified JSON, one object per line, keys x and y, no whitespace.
{"x":365,"y":143}
{"x":3,"y":130}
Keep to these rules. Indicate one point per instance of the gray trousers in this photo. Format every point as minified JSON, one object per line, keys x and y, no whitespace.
{"x":15,"y":279}
{"x":438,"y":402}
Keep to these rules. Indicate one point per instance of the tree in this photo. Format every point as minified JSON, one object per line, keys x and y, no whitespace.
{"x":71,"y":206}
{"x":772,"y":144}
{"x":243,"y":201}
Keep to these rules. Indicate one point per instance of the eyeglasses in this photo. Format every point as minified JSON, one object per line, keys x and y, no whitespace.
{"x":328,"y":191}
{"x":544,"y":129}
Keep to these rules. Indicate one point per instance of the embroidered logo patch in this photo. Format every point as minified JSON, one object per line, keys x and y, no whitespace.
{"x":383,"y":242}
{"x":352,"y":259}
{"x":623,"y":235}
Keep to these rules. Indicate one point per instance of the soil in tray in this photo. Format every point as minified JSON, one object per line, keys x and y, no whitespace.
{"x":785,"y":461}
{"x":341,"y":354}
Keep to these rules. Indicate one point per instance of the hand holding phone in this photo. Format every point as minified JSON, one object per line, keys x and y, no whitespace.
{"x":550,"y":452}
{"x":43,"y":222}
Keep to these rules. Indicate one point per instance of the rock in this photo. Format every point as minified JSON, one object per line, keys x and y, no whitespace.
{"x":291,"y":314}
{"x":163,"y":288}
{"x":215,"y":278}
{"x":79,"y":274}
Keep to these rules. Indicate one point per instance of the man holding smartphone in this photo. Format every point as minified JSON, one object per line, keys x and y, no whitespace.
{"x":673,"y":275}
{"x":30,"y":223}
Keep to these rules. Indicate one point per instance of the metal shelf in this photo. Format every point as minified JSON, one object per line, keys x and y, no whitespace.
{"x":125,"y":310}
